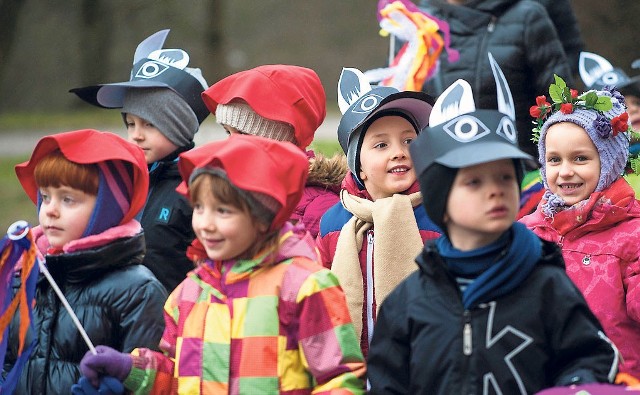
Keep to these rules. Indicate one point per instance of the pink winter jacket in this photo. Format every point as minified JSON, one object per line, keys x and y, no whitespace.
{"x":600,"y":241}
{"x":321,"y":190}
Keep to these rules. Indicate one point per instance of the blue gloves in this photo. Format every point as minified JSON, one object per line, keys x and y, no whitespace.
{"x":108,"y":386}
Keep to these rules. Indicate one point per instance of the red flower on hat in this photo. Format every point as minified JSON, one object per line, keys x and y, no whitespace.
{"x":574,"y":93}
{"x":566,"y":108}
{"x":541,"y":109}
{"x":620,"y":123}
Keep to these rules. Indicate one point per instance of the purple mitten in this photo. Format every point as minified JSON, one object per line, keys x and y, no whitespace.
{"x":107,"y":362}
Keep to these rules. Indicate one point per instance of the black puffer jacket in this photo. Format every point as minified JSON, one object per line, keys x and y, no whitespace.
{"x":540,"y":335}
{"x":566,"y":24}
{"x":522,"y":39}
{"x":166,"y":220}
{"x":118,"y":301}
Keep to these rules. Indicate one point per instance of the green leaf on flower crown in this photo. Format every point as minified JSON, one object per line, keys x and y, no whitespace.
{"x":590,"y":99}
{"x":566,"y":94}
{"x":556,"y":93}
{"x":559,"y":81}
{"x":634,"y":163}
{"x":603,"y":104}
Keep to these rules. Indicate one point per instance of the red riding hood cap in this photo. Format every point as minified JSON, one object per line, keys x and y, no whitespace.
{"x":254,"y":164}
{"x":284,"y":93}
{"x":89,"y":146}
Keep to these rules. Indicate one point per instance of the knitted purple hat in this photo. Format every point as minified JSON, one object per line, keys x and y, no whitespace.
{"x":613,"y":148}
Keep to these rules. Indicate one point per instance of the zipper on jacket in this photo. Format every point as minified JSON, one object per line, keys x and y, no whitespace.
{"x":467,"y":349}
{"x":467,"y":341}
{"x":560,"y":241}
{"x":482,"y":56}
{"x":370,"y":285}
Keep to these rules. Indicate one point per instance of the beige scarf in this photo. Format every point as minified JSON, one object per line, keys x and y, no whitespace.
{"x":397,"y":243}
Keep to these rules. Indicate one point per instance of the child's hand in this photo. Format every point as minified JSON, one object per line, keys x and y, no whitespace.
{"x":108,"y":386}
{"x":107,"y":362}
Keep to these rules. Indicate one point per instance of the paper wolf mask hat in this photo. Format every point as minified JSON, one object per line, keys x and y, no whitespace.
{"x":359,"y":102}
{"x":597,"y":72}
{"x":153,"y":67}
{"x":459,"y":135}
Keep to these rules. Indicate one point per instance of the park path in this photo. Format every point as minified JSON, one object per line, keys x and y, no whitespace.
{"x":22,"y":142}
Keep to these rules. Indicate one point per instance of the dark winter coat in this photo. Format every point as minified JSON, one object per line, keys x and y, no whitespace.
{"x":540,"y":335}
{"x":166,"y":220}
{"x":566,"y":24}
{"x":522,"y":39}
{"x":117,"y":300}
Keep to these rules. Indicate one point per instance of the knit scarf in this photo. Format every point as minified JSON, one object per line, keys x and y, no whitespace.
{"x":510,"y":265}
{"x":397,"y":243}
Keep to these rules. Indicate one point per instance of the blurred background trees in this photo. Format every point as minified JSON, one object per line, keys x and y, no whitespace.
{"x":50,"y":46}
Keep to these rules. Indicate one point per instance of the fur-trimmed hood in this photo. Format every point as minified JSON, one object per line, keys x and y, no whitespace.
{"x":327,"y":171}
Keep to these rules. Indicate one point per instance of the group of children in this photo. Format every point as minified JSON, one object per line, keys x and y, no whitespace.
{"x":303,"y":284}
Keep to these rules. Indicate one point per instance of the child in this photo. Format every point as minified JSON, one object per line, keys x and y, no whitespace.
{"x":590,"y":210}
{"x":162,"y":110}
{"x":260,"y":315}
{"x":380,"y":191}
{"x":285,"y":103}
{"x":87,"y":186}
{"x":490,"y":309}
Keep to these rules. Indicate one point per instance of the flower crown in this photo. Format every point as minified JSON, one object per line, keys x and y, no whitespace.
{"x":567,"y":100}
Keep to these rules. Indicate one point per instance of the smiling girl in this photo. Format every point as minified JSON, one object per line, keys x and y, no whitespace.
{"x":592,"y":213}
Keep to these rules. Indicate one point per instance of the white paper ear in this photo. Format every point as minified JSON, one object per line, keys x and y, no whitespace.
{"x":150,"y":44}
{"x":351,"y":86}
{"x":505,"y":100}
{"x":456,"y":100}
{"x":592,"y":66}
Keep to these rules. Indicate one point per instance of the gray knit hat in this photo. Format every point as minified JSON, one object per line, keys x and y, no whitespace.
{"x":242,"y":117}
{"x":613,"y":150}
{"x":166,"y":110}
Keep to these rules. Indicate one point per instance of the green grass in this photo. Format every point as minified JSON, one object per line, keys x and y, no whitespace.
{"x":326,"y":147}
{"x":65,"y":120}
{"x":14,"y":203}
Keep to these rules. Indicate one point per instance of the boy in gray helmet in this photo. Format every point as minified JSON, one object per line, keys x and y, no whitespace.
{"x":490,"y":309}
{"x":162,"y":109}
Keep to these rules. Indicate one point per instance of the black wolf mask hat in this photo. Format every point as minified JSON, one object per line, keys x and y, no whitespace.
{"x":597,"y":72}
{"x":153,"y":67}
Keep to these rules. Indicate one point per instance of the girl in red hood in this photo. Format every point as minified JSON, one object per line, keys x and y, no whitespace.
{"x":87,"y":187}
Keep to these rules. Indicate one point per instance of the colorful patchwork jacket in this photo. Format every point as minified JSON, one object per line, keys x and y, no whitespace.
{"x":252,"y":326}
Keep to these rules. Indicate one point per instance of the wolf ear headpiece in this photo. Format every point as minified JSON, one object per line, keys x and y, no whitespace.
{"x":153,"y":67}
{"x":597,"y":72}
{"x":459,"y":135}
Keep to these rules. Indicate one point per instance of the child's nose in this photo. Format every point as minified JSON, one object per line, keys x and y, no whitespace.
{"x":135,"y":133}
{"x":400,"y":152}
{"x":566,"y":169}
{"x":50,"y":209}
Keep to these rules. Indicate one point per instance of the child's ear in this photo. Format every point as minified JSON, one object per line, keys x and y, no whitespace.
{"x":262,"y":227}
{"x":363,"y":175}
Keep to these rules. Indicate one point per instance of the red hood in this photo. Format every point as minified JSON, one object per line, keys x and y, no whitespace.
{"x":89,"y":146}
{"x":255,"y":164}
{"x":284,"y":93}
